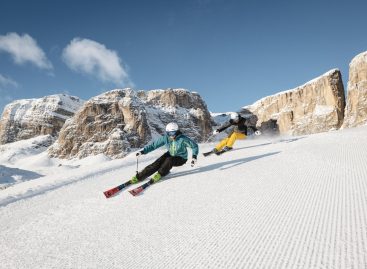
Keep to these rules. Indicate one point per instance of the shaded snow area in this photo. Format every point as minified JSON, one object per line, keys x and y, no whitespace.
{"x":21,"y":154}
{"x":296,"y":202}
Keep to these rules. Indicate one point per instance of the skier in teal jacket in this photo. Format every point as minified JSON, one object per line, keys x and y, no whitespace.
{"x":176,"y":155}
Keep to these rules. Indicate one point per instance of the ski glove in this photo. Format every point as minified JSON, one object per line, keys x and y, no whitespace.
{"x":257,"y":132}
{"x":193,"y":161}
{"x":139,"y":153}
{"x":215,"y":132}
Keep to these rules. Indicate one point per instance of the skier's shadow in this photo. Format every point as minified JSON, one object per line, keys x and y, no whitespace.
{"x":284,"y":140}
{"x":220,"y":166}
{"x":254,"y":146}
{"x":290,"y":140}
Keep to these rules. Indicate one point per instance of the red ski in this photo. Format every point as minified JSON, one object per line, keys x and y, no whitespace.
{"x":136,"y":191}
{"x":115,"y":190}
{"x":139,"y":189}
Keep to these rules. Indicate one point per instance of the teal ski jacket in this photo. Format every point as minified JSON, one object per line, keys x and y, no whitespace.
{"x":175,"y":147}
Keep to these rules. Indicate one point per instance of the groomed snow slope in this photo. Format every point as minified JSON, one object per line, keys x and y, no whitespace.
{"x":270,"y":203}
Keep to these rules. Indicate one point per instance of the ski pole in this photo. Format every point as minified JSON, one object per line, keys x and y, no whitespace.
{"x":137,"y":165}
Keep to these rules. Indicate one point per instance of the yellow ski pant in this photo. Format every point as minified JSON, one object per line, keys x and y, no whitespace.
{"x":229,"y":141}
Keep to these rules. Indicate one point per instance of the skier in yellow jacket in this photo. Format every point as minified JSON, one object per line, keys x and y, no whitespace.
{"x":239,"y":132}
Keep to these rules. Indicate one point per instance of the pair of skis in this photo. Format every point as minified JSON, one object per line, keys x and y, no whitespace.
{"x":112,"y":192}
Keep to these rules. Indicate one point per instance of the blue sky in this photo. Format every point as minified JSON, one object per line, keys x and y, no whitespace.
{"x":231,"y":52}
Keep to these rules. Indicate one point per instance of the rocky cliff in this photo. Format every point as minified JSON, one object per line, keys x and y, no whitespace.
{"x":118,"y":121}
{"x":23,"y":119}
{"x":316,"y":106}
{"x":356,"y":109}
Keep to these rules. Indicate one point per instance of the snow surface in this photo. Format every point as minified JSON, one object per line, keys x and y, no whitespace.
{"x":297,"y":202}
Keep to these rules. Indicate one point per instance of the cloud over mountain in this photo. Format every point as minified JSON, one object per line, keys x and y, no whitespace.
{"x":23,"y":49}
{"x":92,"y":58}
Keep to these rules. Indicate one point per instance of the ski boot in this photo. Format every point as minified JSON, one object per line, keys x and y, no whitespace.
{"x":156,"y":177}
{"x":210,"y":152}
{"x":225,"y":149}
{"x":134,"y":180}
{"x":141,"y":188}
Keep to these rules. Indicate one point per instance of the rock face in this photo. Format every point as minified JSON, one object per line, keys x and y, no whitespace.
{"x":118,"y":121}
{"x":186,"y":108}
{"x":356,"y":109}
{"x":316,"y":106}
{"x":24,"y":119}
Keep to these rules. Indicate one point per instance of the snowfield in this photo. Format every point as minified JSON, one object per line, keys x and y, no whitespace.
{"x":298,"y":202}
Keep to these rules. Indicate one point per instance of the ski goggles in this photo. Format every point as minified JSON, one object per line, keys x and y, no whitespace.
{"x":171,"y":133}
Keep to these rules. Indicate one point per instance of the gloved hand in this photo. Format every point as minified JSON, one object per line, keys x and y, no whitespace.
{"x":257,"y":132}
{"x":139,"y":153}
{"x":193,"y":161}
{"x":215,"y":132}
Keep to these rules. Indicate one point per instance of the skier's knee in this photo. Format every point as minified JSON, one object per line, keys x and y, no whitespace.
{"x":163,"y":172}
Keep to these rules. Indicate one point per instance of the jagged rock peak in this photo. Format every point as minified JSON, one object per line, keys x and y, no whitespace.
{"x":27,"y":118}
{"x":316,"y":106}
{"x":121,"y":120}
{"x":170,"y":97}
{"x":356,"y":109}
{"x":116,"y":93}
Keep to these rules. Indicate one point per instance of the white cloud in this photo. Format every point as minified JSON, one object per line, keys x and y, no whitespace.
{"x":24,"y":49}
{"x":90,"y":57}
{"x":7,"y":82}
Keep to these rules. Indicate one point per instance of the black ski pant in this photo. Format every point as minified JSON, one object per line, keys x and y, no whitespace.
{"x":162,"y":165}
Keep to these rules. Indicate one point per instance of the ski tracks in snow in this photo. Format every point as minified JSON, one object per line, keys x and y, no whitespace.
{"x":297,"y":203}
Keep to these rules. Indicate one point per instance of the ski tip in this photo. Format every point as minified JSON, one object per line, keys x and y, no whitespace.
{"x":133,"y":193}
{"x":107,"y":194}
{"x":111,"y":192}
{"x":136,"y":191}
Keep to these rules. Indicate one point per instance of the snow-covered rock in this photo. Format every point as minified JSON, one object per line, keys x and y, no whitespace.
{"x":186,"y":108}
{"x":314,"y":107}
{"x":120,"y":120}
{"x":220,"y":118}
{"x":356,"y":109}
{"x":24,"y":119}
